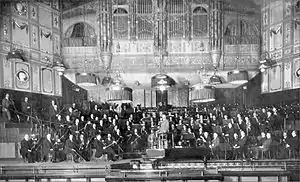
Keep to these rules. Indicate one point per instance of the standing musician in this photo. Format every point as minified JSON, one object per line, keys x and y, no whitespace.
{"x":26,"y":149}
{"x":26,"y":109}
{"x":47,"y":148}
{"x":6,"y":103}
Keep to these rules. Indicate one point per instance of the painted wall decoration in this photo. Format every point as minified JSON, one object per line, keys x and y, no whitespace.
{"x":55,"y":4}
{"x":22,"y":76}
{"x":287,"y":34}
{"x":5,"y":31}
{"x":33,"y":12}
{"x":46,"y":40}
{"x":297,"y":31}
{"x":275,"y":78}
{"x":58,"y":83}
{"x":55,"y":21}
{"x":20,"y":32}
{"x":296,"y":80}
{"x":20,"y":8}
{"x":56,"y":44}
{"x":265,"y":81}
{"x":34,"y":37}
{"x":36,"y":75}
{"x":45,"y":17}
{"x":287,"y":75}
{"x":47,"y":80}
{"x":7,"y":73}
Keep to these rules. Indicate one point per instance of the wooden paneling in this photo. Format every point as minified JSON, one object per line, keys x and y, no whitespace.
{"x":7,"y":73}
{"x":47,"y":80}
{"x":20,"y":32}
{"x":7,"y":150}
{"x":36,"y":74}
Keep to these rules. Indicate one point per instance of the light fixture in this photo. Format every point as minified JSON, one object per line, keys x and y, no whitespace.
{"x":266,"y":63}
{"x":121,"y":94}
{"x":162,"y":82}
{"x":86,"y":79}
{"x":16,"y":54}
{"x":237,"y":77}
{"x":215,"y":79}
{"x":201,"y":94}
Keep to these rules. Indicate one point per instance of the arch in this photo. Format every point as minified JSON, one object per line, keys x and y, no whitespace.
{"x":120,"y":11}
{"x":80,"y":34}
{"x":199,"y":21}
{"x":199,"y":10}
{"x":241,"y":32}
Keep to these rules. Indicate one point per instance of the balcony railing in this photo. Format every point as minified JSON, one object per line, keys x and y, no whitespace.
{"x":80,"y":42}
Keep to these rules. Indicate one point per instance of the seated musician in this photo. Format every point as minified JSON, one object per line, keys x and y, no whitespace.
{"x":264,"y":147}
{"x":70,"y":148}
{"x":83,"y":145}
{"x":100,"y":147}
{"x":58,"y":147}
{"x":235,"y":146}
{"x":26,"y":149}
{"x":47,"y":148}
{"x":110,"y":148}
{"x":241,"y":145}
{"x":35,"y":148}
{"x":293,"y":143}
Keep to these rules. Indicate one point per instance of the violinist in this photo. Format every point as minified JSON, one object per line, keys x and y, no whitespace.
{"x":83,"y":144}
{"x":58,"y":147}
{"x":47,"y":148}
{"x":71,"y":147}
{"x":135,"y":140}
{"x":110,"y":148}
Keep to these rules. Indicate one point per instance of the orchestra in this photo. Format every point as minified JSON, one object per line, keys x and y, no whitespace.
{"x":227,"y":131}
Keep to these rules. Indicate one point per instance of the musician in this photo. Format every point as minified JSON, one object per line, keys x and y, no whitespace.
{"x":135,"y":140}
{"x":293,"y":143}
{"x":265,"y":146}
{"x":255,"y":124}
{"x":26,"y":109}
{"x":26,"y":149}
{"x":151,"y":139}
{"x":99,"y":146}
{"x":6,"y":103}
{"x":235,"y":146}
{"x":35,"y":152}
{"x":53,"y":110}
{"x":77,"y":127}
{"x":110,"y":148}
{"x":47,"y":148}
{"x":70,"y":148}
{"x":58,"y":147}
{"x":164,"y":126}
{"x":83,"y":144}
{"x":215,"y":144}
{"x":242,"y":147}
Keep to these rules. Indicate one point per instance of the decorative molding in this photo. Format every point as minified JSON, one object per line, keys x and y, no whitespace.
{"x":287,"y":75}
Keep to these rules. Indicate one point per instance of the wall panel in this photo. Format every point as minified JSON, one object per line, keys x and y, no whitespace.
{"x":138,"y":97}
{"x":47,"y":80}
{"x":7,"y":73}
{"x":20,"y":32}
{"x":287,"y":75}
{"x":296,"y":80}
{"x":275,"y":78}
{"x":36,"y":75}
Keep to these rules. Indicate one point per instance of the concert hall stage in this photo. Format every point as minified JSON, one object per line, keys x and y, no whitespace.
{"x":149,"y":169}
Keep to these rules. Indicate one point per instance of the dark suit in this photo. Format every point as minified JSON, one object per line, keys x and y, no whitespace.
{"x":5,"y":109}
{"x":47,"y":145}
{"x":99,"y":148}
{"x":25,"y":147}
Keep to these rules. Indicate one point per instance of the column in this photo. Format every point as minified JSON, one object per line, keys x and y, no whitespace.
{"x":105,"y":28}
